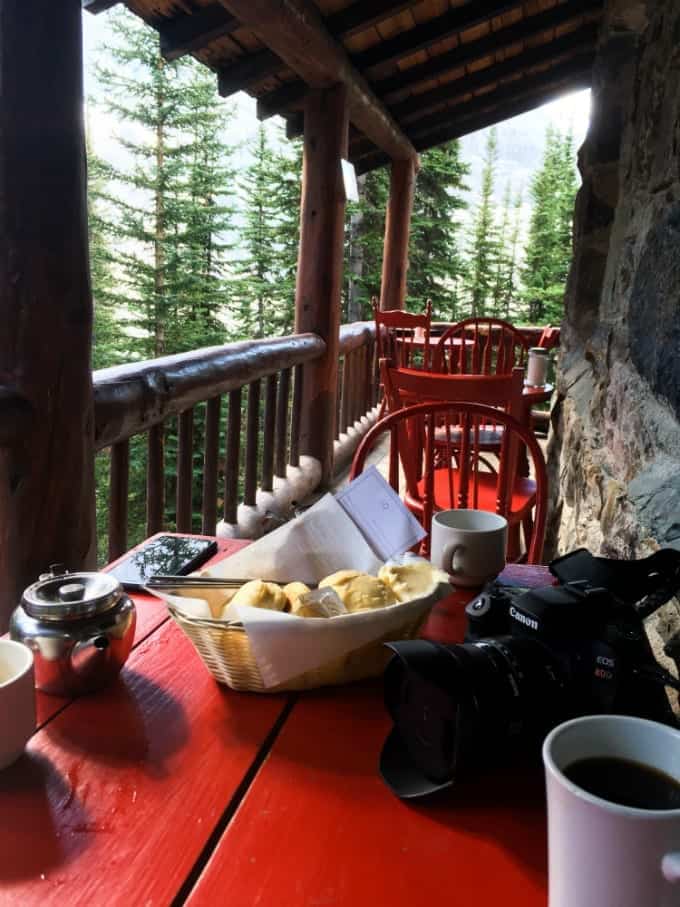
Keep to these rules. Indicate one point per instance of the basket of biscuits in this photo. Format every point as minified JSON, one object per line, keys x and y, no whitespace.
{"x":264,"y":636}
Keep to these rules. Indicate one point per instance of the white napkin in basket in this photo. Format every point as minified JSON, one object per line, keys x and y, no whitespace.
{"x":319,"y":542}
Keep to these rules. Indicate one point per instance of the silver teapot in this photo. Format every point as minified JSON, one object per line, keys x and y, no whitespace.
{"x":80,"y":628}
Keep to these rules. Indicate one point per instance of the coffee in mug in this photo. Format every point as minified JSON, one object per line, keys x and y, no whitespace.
{"x":17,"y":700}
{"x":613,"y":784}
{"x":469,"y":545}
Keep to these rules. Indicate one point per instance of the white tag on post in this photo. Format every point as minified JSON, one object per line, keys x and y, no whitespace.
{"x":379,"y":514}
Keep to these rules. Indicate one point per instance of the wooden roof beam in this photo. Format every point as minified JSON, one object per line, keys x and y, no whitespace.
{"x":507,"y":92}
{"x":481,"y":120}
{"x":361,"y":15}
{"x":294,"y":30}
{"x":423,"y":36}
{"x":183,"y":34}
{"x":418,"y":106}
{"x":98,"y":6}
{"x":292,"y":93}
{"x":246,"y":70}
{"x":495,"y":42}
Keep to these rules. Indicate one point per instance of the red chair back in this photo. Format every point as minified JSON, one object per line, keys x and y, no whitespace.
{"x":407,"y":387}
{"x":487,"y":346}
{"x":549,"y":338}
{"x":403,"y":338}
{"x":467,"y":484}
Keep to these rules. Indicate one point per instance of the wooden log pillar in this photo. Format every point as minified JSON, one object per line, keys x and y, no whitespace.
{"x":397,"y":231}
{"x":319,"y":278}
{"x":46,"y":469}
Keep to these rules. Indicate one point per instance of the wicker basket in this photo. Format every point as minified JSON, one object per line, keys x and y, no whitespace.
{"x":225,"y":650}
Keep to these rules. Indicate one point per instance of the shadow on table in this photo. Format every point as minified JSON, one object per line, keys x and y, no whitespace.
{"x":33,"y":794}
{"x":134,"y":720}
{"x":505,"y":804}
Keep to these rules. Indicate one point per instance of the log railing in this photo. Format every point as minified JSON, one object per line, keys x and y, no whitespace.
{"x":213,"y":430}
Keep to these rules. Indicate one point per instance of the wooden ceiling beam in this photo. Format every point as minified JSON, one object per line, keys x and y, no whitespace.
{"x":247,"y":70}
{"x":497,"y":41}
{"x":183,"y":34}
{"x":352,"y":20}
{"x":362,"y":15}
{"x":480,"y":120}
{"x":98,"y":6}
{"x":406,"y":43}
{"x":294,"y":30}
{"x":418,"y":106}
{"x":506,"y":93}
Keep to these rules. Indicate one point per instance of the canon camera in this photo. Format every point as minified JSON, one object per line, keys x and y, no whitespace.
{"x":531,"y":659}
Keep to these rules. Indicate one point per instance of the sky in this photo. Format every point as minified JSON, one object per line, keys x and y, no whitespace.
{"x":520,"y":140}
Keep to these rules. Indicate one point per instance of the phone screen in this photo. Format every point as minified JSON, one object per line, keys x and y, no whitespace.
{"x":167,"y":555}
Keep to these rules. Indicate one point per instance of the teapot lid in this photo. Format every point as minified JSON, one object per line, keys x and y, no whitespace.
{"x":60,"y":595}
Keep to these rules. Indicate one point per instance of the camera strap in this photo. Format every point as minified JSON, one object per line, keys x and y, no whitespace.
{"x":643,"y":584}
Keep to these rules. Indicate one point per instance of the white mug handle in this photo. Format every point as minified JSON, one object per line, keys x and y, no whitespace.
{"x":670,"y":867}
{"x":449,"y":558}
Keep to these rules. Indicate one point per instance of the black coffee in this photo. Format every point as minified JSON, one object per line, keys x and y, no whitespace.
{"x":626,"y":782}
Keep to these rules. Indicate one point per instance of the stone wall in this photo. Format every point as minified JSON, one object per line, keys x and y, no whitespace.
{"x":614,"y":454}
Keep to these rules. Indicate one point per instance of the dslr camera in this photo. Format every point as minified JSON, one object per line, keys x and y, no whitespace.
{"x":531,"y":659}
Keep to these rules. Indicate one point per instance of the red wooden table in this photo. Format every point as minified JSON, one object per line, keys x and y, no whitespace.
{"x":168,"y":788}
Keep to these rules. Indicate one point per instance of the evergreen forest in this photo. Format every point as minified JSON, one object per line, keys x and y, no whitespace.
{"x":193,"y":238}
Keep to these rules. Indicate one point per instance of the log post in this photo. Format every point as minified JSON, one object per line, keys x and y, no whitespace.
{"x":397,"y":230}
{"x":319,"y":278}
{"x":46,"y":471}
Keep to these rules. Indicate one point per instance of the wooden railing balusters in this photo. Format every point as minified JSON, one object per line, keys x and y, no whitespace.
{"x":155,"y":481}
{"x":252,"y":443}
{"x":118,"y":499}
{"x":269,"y":435}
{"x":210,"y":461}
{"x":140,"y":398}
{"x":281,"y":445}
{"x":232,"y":457}
{"x":295,"y":416}
{"x":185,"y":470}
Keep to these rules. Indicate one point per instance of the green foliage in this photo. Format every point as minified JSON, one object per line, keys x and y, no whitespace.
{"x":364,"y":246}
{"x":548,"y":252}
{"x":485,"y":245}
{"x":435,"y":261}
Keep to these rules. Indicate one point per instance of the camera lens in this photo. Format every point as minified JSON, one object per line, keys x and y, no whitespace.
{"x":456,"y":706}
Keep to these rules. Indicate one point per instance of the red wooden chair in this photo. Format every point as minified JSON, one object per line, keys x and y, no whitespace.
{"x":430,"y":487}
{"x":402,"y":338}
{"x":487,"y":346}
{"x":550,"y":337}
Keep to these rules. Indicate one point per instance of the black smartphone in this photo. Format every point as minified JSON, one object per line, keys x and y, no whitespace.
{"x":167,"y":555}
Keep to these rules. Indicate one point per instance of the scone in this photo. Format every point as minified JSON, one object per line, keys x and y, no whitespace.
{"x":412,"y":580}
{"x":359,"y":591}
{"x":293,"y":592}
{"x":259,"y":594}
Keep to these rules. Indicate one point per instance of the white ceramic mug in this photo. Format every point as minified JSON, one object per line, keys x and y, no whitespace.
{"x":469,"y":545}
{"x":17,"y":700}
{"x":603,"y":854}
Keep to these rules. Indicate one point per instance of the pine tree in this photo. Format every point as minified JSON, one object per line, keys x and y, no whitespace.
{"x":435,"y":264}
{"x":548,"y":251}
{"x":145,"y":94}
{"x":287,"y":177}
{"x":483,"y":246}
{"x":206,"y":214}
{"x":364,"y":253}
{"x":257,"y":266}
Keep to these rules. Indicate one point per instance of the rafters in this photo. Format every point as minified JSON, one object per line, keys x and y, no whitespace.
{"x":420,"y":105}
{"x":431,"y":32}
{"x":507,"y":101}
{"x":186,"y":33}
{"x":497,"y":41}
{"x":294,"y":30}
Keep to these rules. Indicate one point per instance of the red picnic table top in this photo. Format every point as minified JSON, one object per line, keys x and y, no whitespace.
{"x":167,"y":788}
